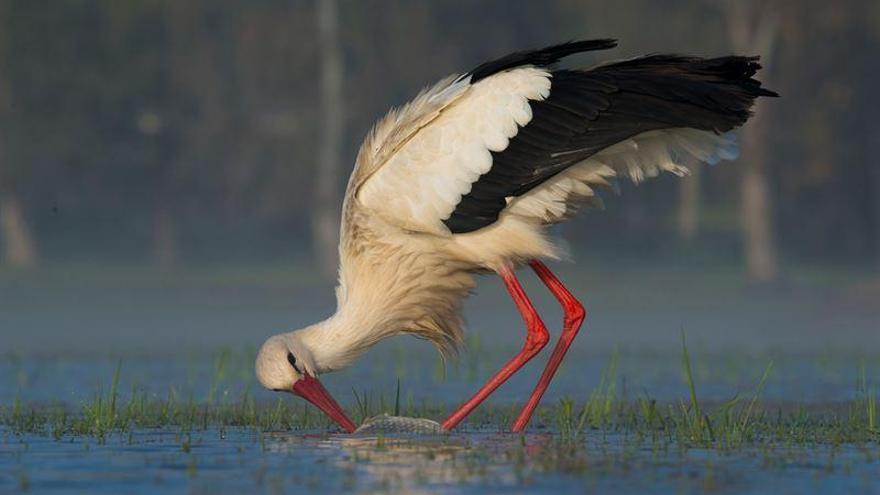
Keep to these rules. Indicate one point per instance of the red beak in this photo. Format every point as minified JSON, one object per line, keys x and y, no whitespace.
{"x":310,"y":389}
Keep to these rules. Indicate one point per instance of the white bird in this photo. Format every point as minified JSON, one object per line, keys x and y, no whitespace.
{"x":465,"y":179}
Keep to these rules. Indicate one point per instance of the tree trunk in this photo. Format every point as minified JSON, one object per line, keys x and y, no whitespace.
{"x":18,"y":245}
{"x":15,"y":236}
{"x":689,"y":190}
{"x":325,"y":209}
{"x":753,"y":26}
{"x":762,"y":260}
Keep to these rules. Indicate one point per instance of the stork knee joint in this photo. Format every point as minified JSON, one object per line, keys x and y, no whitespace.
{"x":575,"y":314}
{"x":538,"y":338}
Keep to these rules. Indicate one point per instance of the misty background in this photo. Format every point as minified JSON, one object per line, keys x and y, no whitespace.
{"x":171,"y":172}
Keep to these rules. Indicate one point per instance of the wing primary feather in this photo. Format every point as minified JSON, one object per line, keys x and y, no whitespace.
{"x":588,"y":111}
{"x":539,"y":58}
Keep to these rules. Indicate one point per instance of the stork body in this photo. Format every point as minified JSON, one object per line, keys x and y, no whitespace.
{"x":466,"y":178}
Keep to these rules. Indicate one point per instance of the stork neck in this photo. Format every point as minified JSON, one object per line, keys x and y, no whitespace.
{"x":336,"y":342}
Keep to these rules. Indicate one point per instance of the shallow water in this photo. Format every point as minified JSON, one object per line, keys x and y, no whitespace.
{"x":244,"y":461}
{"x":248,"y":461}
{"x":63,"y":343}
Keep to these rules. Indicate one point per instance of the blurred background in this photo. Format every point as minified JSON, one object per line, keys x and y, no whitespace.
{"x":171,"y":172}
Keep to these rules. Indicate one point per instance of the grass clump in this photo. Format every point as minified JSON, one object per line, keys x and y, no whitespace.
{"x":736,"y":423}
{"x":866,"y":401}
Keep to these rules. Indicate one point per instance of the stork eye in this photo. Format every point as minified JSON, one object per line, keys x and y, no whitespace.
{"x":292,"y":360}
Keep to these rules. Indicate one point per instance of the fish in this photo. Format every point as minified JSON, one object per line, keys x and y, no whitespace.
{"x":386,"y":424}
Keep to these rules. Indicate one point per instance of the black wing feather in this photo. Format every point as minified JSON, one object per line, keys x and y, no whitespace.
{"x":590,"y":110}
{"x":539,"y":58}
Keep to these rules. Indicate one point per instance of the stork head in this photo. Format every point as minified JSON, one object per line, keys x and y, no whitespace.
{"x":285,"y":364}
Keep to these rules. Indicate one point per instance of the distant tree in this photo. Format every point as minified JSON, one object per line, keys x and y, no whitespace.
{"x":752,"y":26}
{"x":325,"y":211}
{"x":203,"y":115}
{"x":15,"y":233}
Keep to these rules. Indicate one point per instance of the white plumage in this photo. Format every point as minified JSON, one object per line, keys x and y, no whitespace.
{"x":419,"y":185}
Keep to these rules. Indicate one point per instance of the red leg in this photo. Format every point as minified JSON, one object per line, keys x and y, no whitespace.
{"x":574,"y":317}
{"x":536,"y":338}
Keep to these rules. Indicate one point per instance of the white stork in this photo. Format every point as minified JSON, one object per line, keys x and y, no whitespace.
{"x":465,"y":179}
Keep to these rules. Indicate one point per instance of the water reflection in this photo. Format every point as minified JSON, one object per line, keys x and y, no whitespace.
{"x":414,"y":462}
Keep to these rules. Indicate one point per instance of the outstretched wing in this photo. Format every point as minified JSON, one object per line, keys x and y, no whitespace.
{"x":519,"y":125}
